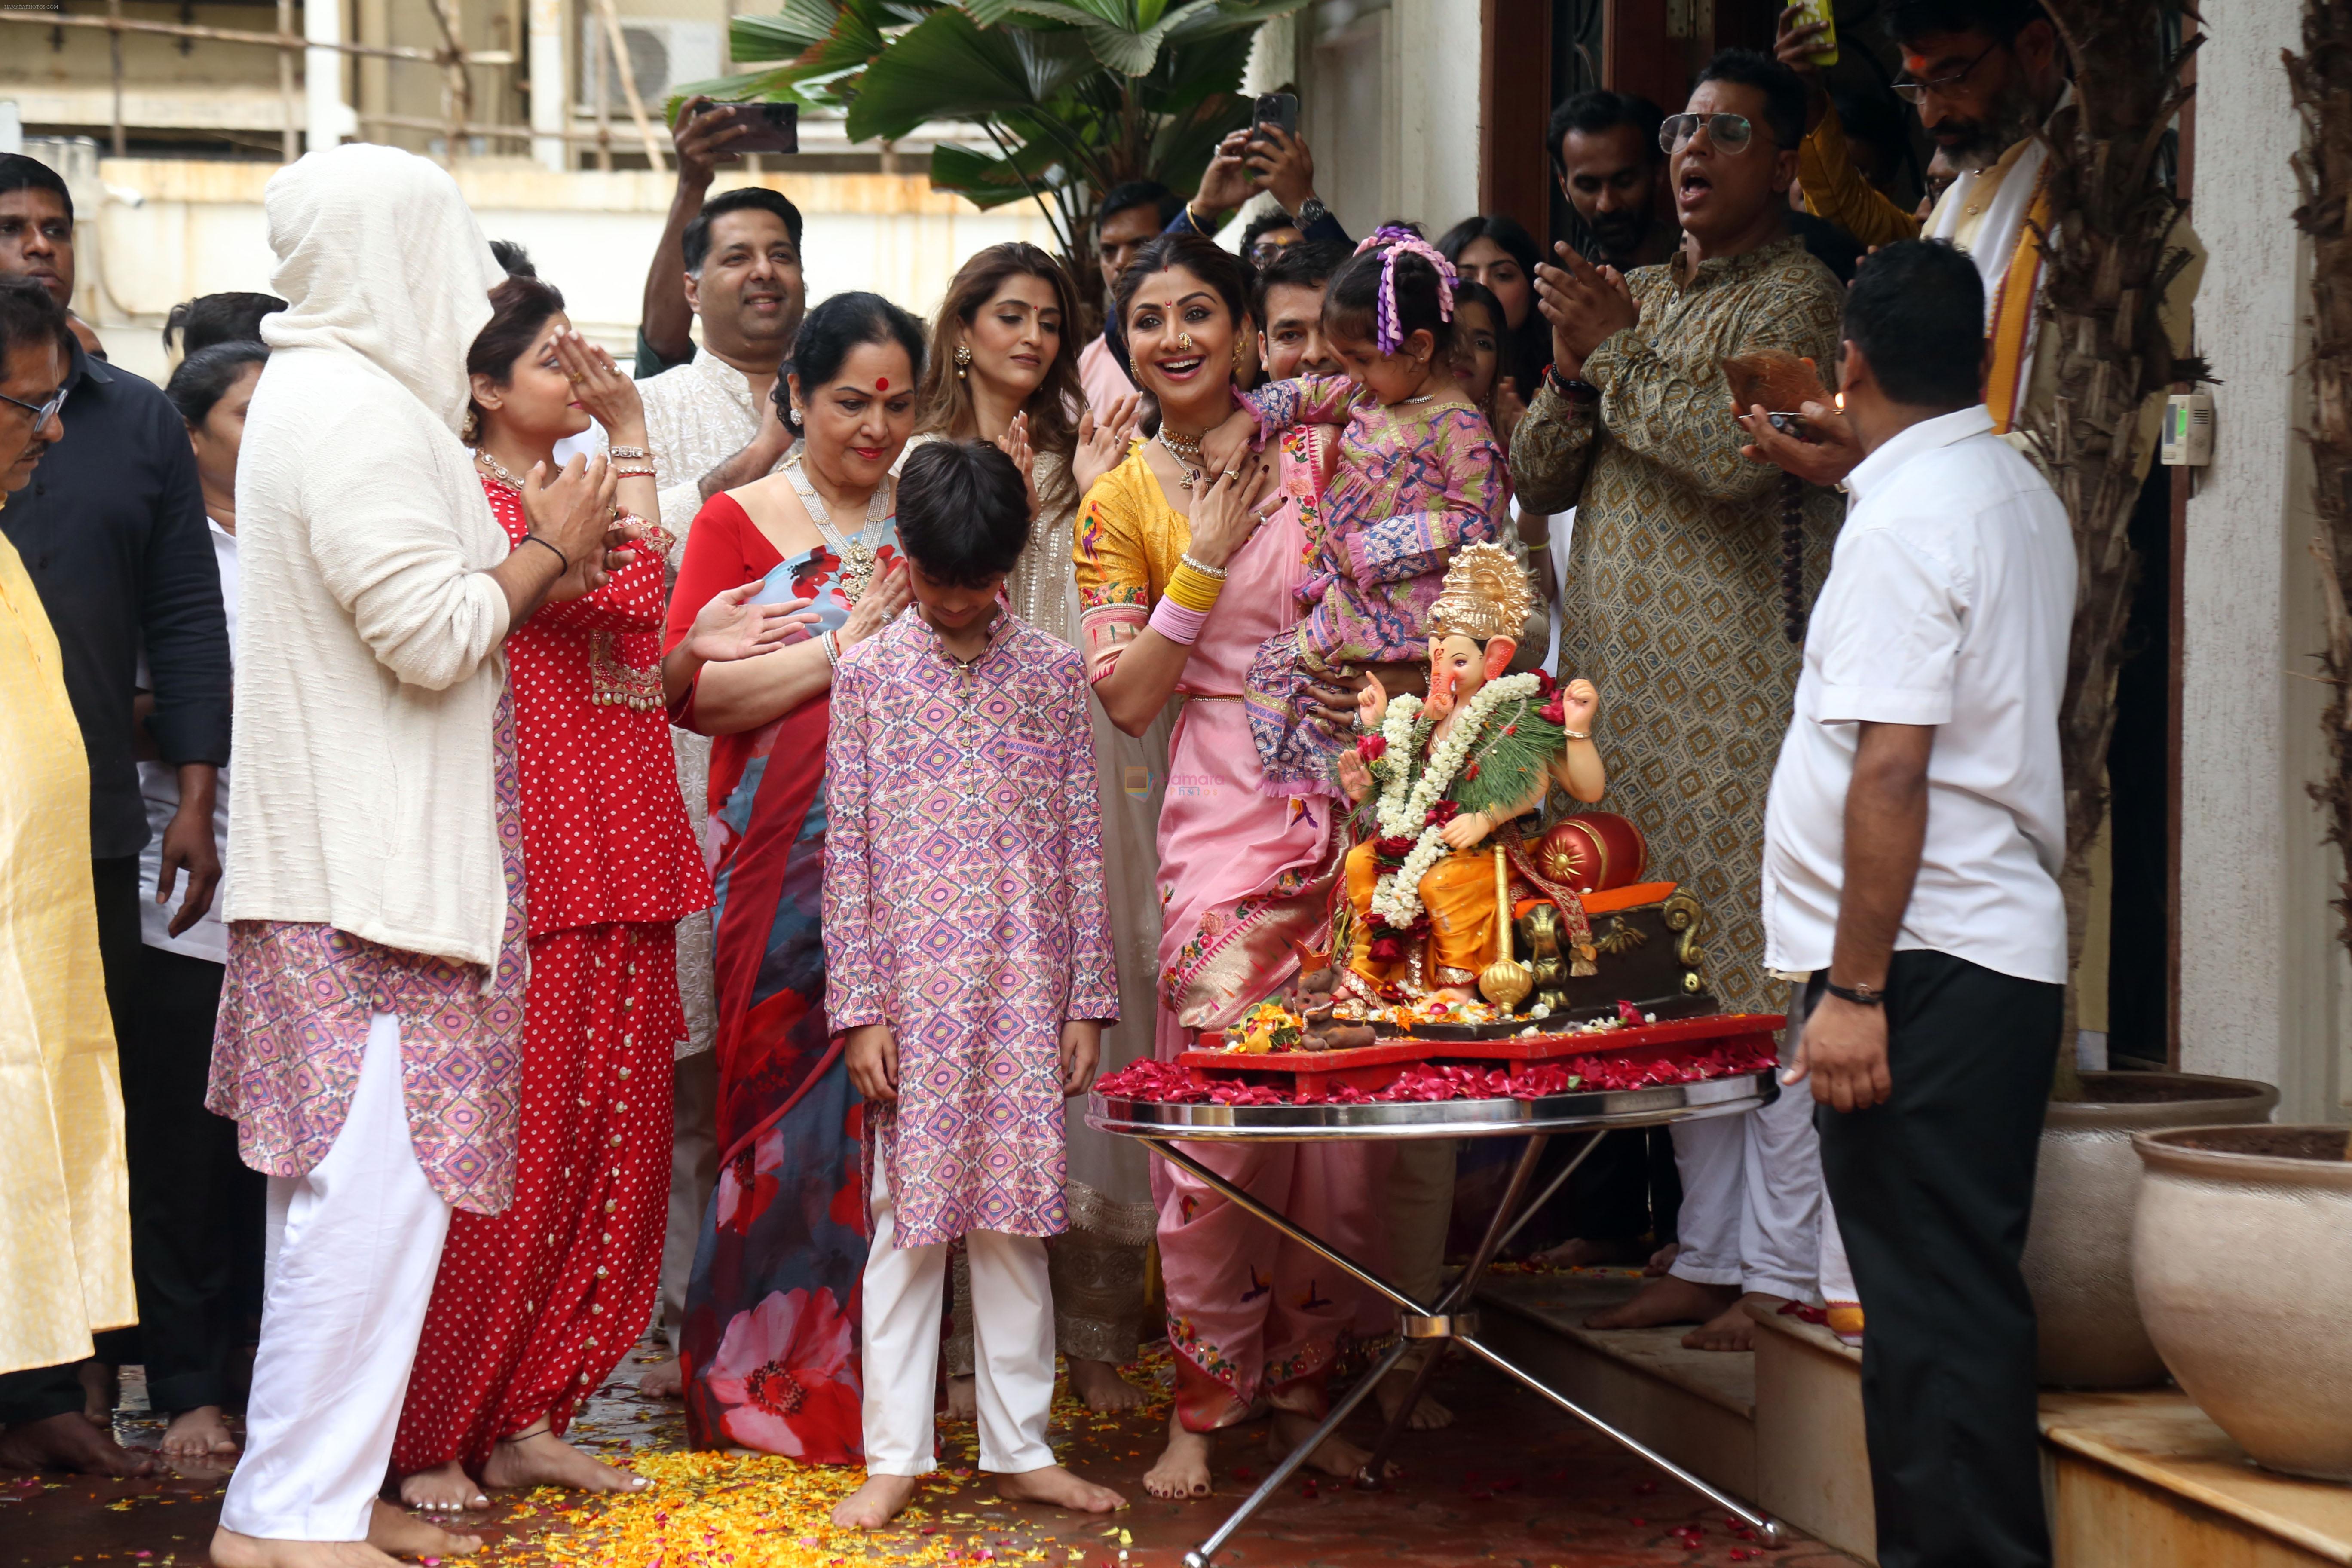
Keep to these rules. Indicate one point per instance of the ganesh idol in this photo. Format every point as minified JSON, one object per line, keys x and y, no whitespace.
{"x":1448,"y":781}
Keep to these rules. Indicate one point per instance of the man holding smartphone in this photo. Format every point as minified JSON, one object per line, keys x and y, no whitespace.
{"x":1270,"y":156}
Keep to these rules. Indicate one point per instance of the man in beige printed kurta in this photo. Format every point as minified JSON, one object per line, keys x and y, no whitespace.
{"x":1673,"y":606}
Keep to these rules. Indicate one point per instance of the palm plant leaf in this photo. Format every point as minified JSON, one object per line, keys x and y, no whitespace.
{"x":944,"y":68}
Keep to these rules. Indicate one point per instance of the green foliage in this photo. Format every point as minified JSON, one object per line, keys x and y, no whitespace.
{"x":1071,"y":96}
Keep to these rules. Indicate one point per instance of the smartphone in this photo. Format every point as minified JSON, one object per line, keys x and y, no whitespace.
{"x":1275,"y":109}
{"x":1810,"y":11}
{"x":774,"y":126}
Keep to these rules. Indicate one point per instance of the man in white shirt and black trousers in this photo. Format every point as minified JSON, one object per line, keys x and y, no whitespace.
{"x":1912,"y":845}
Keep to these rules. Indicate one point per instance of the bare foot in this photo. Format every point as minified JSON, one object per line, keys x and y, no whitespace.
{"x":1057,"y":1487}
{"x":662,"y":1380}
{"x":1732,"y":1328}
{"x":1663,"y":1259}
{"x":1667,"y":1300}
{"x":199,"y":1434}
{"x":1336,"y":1457}
{"x":445,"y":1489}
{"x":875,"y":1503}
{"x":1182,"y":1468}
{"x":101,"y":1391}
{"x":1100,"y":1386}
{"x":230,"y":1550}
{"x":544,"y":1459}
{"x":1428,"y":1416}
{"x":403,"y":1534}
{"x":1583,"y":1252}
{"x":68,"y":1442}
{"x":964,"y":1398}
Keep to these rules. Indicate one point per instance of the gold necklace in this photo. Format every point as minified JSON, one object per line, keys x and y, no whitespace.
{"x":1186,"y":450}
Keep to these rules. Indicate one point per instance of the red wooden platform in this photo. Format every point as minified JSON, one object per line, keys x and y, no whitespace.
{"x":1374,"y":1066}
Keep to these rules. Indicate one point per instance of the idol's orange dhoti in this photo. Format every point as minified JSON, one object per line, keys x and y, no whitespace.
{"x":1459,"y":894}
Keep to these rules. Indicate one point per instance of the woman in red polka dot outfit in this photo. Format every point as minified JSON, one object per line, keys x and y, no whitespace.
{"x":533,"y":1308}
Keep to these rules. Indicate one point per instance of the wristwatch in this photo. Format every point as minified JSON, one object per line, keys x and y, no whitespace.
{"x":1860,"y":995}
{"x":1570,"y":387}
{"x":1311,"y":211}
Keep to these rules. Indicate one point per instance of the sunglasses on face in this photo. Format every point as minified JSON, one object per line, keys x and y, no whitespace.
{"x":1732,"y":133}
{"x":1265,"y":250}
{"x":41,"y":411}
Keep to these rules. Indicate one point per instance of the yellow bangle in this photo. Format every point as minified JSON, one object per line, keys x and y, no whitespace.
{"x":1193,"y":589}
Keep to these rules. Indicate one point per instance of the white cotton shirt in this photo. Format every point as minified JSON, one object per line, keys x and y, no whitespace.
{"x":159,"y":786}
{"x":1948,"y":603}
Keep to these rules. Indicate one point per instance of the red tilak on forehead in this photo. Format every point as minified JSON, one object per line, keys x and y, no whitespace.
{"x":881,"y":384}
{"x":1915,"y":64}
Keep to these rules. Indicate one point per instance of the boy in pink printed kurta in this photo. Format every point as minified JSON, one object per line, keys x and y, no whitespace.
{"x":967,"y":971}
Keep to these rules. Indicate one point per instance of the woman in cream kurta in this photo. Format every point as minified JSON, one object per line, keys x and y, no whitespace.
{"x":65,"y":1232}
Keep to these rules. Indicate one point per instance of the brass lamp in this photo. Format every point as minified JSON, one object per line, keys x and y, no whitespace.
{"x":1507,"y":981}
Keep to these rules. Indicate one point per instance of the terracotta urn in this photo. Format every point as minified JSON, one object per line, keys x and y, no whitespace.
{"x":2078,"y":1254}
{"x":2244,"y":1272}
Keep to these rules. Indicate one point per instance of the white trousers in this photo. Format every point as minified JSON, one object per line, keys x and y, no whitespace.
{"x":1011,"y":1338}
{"x":1755,"y":1212}
{"x":355,"y":1247}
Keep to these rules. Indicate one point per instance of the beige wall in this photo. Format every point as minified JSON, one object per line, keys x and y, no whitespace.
{"x":197,"y":228}
{"x":2263,"y":981}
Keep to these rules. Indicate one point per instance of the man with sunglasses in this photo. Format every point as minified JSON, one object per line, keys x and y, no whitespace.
{"x":112,"y":534}
{"x":1673,"y":598}
{"x":1985,"y":77}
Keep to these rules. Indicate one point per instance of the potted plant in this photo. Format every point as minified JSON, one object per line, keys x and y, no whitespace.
{"x":2242,"y":1259}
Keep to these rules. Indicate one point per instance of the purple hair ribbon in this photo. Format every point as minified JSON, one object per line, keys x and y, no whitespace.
{"x":1392,"y":242}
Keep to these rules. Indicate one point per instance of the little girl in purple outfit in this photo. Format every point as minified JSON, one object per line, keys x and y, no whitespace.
{"x":1419,"y":475}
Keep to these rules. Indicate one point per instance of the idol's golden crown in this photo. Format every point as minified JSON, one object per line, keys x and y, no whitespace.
{"x":1486,"y":594}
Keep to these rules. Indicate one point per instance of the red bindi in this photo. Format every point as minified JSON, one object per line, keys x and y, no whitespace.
{"x":881,"y":384}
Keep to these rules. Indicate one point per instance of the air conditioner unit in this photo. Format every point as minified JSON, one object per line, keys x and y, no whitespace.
{"x":662,"y":53}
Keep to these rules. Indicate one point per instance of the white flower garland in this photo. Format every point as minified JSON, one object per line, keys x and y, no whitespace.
{"x":1405,"y":804}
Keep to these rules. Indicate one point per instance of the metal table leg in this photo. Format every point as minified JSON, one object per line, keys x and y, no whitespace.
{"x":1452,"y":1318}
{"x":1445,"y":1322}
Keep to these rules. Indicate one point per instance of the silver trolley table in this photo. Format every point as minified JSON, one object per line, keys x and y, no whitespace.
{"x":1159,"y":1125}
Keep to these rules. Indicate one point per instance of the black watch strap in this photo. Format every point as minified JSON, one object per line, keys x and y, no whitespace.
{"x":1860,"y":995}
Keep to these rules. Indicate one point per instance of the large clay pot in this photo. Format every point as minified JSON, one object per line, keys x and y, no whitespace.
{"x":2078,"y":1255}
{"x":2243,"y":1258}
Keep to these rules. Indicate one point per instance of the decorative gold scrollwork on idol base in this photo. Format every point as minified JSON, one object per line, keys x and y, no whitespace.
{"x":1683,"y":914}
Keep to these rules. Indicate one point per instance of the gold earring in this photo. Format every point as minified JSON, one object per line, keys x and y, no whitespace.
{"x":1240,"y":352}
{"x":962,"y":361}
{"x":470,"y":432}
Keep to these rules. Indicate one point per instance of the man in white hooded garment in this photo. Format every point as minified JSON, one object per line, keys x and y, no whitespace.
{"x":369,"y":1045}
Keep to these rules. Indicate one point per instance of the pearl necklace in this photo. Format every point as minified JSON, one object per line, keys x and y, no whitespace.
{"x":857,"y":555}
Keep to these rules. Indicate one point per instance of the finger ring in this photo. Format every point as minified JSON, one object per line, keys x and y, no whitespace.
{"x":574,"y":377}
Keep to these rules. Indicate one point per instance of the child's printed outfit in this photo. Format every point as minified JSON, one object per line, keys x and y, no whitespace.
{"x":963,"y":907}
{"x":1413,"y":483}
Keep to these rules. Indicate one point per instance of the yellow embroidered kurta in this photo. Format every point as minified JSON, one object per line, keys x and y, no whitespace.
{"x":1672,"y":605}
{"x":65,"y":1231}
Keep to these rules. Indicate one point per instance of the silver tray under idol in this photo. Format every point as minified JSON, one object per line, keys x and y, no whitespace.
{"x":1583,"y":1110}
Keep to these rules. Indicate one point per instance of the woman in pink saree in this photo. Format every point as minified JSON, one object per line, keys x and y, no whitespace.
{"x":1180,"y":582}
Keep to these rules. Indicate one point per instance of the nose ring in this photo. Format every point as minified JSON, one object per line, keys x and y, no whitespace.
{"x":1184,"y":341}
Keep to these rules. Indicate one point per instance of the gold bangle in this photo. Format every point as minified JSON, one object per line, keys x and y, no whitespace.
{"x":1576,"y":734}
{"x":1193,"y":589}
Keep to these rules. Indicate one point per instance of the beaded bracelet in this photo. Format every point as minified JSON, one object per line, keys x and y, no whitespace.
{"x":1193,"y":589}
{"x":638,"y":452}
{"x":1177,"y":624}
